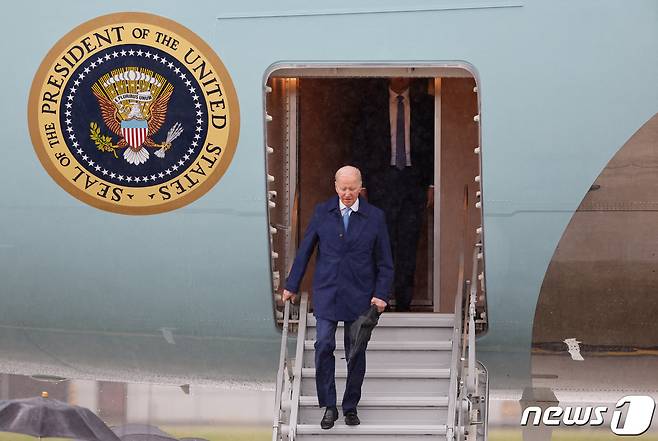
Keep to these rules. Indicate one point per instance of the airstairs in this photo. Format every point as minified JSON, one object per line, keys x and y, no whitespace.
{"x":405,"y":392}
{"x":422,"y":380}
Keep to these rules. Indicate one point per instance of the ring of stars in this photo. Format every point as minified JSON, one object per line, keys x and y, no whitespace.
{"x":130,"y":178}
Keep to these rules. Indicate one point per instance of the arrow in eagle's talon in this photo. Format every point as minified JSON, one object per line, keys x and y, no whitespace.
{"x":173,"y":133}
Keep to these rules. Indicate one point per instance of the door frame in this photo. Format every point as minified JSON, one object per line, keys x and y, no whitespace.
{"x":435,"y":70}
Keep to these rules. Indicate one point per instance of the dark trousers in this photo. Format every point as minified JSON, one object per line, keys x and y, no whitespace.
{"x":325,"y":363}
{"x":403,"y":199}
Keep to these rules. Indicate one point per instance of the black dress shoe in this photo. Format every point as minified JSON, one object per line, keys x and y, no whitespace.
{"x":352,"y":419}
{"x":330,"y":415}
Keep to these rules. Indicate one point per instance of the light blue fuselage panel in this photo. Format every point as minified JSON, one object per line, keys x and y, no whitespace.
{"x":562,"y":86}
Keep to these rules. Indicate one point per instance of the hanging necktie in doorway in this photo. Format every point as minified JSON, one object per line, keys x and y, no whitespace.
{"x":400,"y":147}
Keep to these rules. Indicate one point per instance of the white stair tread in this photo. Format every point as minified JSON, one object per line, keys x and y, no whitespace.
{"x":395,"y":345}
{"x":377,"y":401}
{"x":388,"y":373}
{"x":405,"y":320}
{"x":378,"y":429}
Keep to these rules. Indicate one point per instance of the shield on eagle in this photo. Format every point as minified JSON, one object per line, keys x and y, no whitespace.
{"x":135,"y":131}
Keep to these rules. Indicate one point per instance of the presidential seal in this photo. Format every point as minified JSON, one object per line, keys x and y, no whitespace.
{"x":133,"y":113}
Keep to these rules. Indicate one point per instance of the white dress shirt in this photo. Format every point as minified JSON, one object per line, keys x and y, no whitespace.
{"x":393,"y":113}
{"x":354,"y":207}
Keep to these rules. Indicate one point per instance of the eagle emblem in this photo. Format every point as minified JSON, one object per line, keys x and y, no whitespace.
{"x":133,"y":104}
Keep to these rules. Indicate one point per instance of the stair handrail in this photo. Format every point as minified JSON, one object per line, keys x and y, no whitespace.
{"x":471,"y":377}
{"x":299,"y":362}
{"x":283,"y":362}
{"x":457,"y":331}
{"x":463,"y":380}
{"x":456,"y":359}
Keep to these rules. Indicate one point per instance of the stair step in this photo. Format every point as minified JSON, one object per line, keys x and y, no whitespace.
{"x":388,"y":386}
{"x":398,"y":333}
{"x":384,"y":410}
{"x":399,"y":359}
{"x":387,"y":354}
{"x":368,"y":437}
{"x":405,"y":320}
{"x":382,"y":402}
{"x":389,"y":373}
{"x":409,"y":415}
{"x":393,"y":345}
{"x":398,"y":382}
{"x":394,"y":430}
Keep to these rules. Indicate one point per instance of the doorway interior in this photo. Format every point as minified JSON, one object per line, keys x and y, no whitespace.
{"x":311,"y":113}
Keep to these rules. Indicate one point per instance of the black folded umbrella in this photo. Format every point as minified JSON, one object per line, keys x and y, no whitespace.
{"x":361,"y":330}
{"x":47,"y":418}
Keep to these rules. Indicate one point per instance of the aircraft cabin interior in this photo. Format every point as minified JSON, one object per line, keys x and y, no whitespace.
{"x":311,"y":114}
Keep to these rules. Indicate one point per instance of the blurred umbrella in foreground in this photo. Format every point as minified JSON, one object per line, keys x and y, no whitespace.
{"x":43,"y":417}
{"x":142,"y":432}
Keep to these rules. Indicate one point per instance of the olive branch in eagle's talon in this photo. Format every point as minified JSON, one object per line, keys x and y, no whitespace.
{"x":103,"y":142}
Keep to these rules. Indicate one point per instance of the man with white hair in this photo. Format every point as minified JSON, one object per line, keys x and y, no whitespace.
{"x":354,"y":269}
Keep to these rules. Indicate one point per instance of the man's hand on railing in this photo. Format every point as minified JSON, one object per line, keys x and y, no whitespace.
{"x":287,"y":295}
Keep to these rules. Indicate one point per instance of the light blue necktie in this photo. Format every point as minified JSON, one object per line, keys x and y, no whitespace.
{"x":400,"y":139}
{"x":346,"y":217}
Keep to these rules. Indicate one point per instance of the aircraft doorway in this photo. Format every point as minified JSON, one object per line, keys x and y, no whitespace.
{"x":313,"y":119}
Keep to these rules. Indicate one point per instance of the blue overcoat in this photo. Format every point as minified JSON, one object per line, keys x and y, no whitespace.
{"x":351,"y":267}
